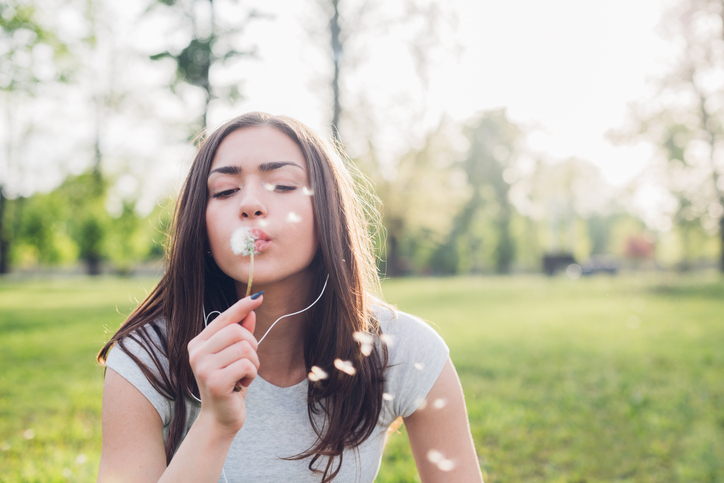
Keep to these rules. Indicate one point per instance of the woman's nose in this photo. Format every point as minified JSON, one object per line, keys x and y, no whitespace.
{"x":251,"y":205}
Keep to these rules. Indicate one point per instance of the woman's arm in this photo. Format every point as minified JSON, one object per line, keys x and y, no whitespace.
{"x":223,"y":354}
{"x":133,"y":448}
{"x":440,"y":436}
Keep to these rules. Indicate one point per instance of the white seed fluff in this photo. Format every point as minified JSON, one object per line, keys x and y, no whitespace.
{"x":242,"y":242}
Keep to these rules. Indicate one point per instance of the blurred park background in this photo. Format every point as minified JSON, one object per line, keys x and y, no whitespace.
{"x":551,"y":178}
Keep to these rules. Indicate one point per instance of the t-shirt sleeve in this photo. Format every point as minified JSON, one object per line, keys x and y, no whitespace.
{"x":417,"y":355}
{"x":119,"y":360}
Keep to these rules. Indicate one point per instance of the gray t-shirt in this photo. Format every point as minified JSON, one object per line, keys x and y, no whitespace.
{"x":277,"y":424}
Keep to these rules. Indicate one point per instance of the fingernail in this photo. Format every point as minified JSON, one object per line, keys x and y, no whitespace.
{"x":257,"y":295}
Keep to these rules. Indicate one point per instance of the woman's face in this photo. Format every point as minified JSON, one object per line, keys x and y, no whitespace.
{"x":259,"y":180}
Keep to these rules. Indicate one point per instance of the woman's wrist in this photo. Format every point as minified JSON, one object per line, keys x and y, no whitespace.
{"x":209,"y":424}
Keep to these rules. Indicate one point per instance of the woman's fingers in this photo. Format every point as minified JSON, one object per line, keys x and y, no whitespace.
{"x":233,"y":315}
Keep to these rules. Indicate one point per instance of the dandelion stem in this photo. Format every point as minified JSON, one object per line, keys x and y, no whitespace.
{"x":251,"y":274}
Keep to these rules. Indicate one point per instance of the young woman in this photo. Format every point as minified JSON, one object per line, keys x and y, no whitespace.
{"x":199,"y":389}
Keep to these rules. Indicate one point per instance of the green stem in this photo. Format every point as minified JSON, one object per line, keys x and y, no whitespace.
{"x":251,"y":275}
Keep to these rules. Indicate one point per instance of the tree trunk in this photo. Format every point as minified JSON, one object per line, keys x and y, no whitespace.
{"x":4,"y":237}
{"x":335,"y":31}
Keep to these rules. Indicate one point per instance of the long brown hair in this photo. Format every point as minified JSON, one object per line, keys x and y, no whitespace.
{"x":192,"y":281}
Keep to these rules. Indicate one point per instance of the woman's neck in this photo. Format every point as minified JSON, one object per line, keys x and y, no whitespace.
{"x":281,"y":354}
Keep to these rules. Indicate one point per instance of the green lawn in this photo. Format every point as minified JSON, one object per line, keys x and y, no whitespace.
{"x":594,"y":380}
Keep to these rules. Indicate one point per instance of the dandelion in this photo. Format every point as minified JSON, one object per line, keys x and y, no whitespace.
{"x":28,"y":434}
{"x":345,"y":366}
{"x":365,"y":341}
{"x":293,"y":217}
{"x":419,"y":366}
{"x":387,"y":397}
{"x":317,"y":374}
{"x":307,"y":191}
{"x":388,"y":339}
{"x":242,"y":243}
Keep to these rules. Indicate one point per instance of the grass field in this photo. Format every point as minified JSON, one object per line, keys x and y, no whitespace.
{"x":594,"y":380}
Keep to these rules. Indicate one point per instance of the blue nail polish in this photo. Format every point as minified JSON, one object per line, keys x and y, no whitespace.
{"x":257,"y":295}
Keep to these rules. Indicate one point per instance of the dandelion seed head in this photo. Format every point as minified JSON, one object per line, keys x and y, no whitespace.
{"x":28,"y":434}
{"x":307,"y":191}
{"x":419,"y":366}
{"x":317,"y":374}
{"x":81,"y":459}
{"x":388,"y":339}
{"x":345,"y":366}
{"x":387,"y":397}
{"x":242,"y":242}
{"x":439,"y":403}
{"x":293,"y":217}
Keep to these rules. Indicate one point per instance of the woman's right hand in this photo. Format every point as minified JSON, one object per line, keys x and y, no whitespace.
{"x":223,"y":354}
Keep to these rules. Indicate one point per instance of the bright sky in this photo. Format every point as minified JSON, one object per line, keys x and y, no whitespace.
{"x":567,"y":68}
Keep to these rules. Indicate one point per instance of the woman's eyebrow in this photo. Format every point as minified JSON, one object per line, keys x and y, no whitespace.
{"x":263,"y":168}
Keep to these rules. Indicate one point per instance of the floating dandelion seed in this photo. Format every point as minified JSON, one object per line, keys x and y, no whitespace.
{"x":388,"y":339}
{"x":263,"y":223}
{"x":435,"y":456}
{"x":4,"y":446}
{"x":387,"y":397}
{"x":269,"y":187}
{"x":365,"y":340}
{"x":422,"y":403}
{"x":439,"y":460}
{"x":345,"y":366}
{"x":81,"y":459}
{"x":317,"y":374}
{"x":242,"y":243}
{"x":67,"y":472}
{"x":307,"y":191}
{"x":28,"y":434}
{"x":439,"y":403}
{"x":293,"y":217}
{"x":419,"y":366}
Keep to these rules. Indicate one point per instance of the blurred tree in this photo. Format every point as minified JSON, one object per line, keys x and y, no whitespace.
{"x":213,"y":41}
{"x":24,"y":45}
{"x":420,"y":202}
{"x":353,"y":24}
{"x":573,"y":201}
{"x":88,"y":220}
{"x":495,"y":144}
{"x":683,"y":119}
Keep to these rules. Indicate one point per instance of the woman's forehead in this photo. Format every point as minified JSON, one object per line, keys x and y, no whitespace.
{"x":251,"y":147}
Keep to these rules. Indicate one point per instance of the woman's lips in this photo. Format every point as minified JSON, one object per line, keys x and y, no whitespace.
{"x":260,"y":245}
{"x":262,"y":239}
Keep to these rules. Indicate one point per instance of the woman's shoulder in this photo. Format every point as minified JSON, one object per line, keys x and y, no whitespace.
{"x":396,"y":323}
{"x":416,"y":356}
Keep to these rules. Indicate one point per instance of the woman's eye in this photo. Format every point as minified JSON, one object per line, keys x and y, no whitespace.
{"x":284,"y":188}
{"x":225,"y":193}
